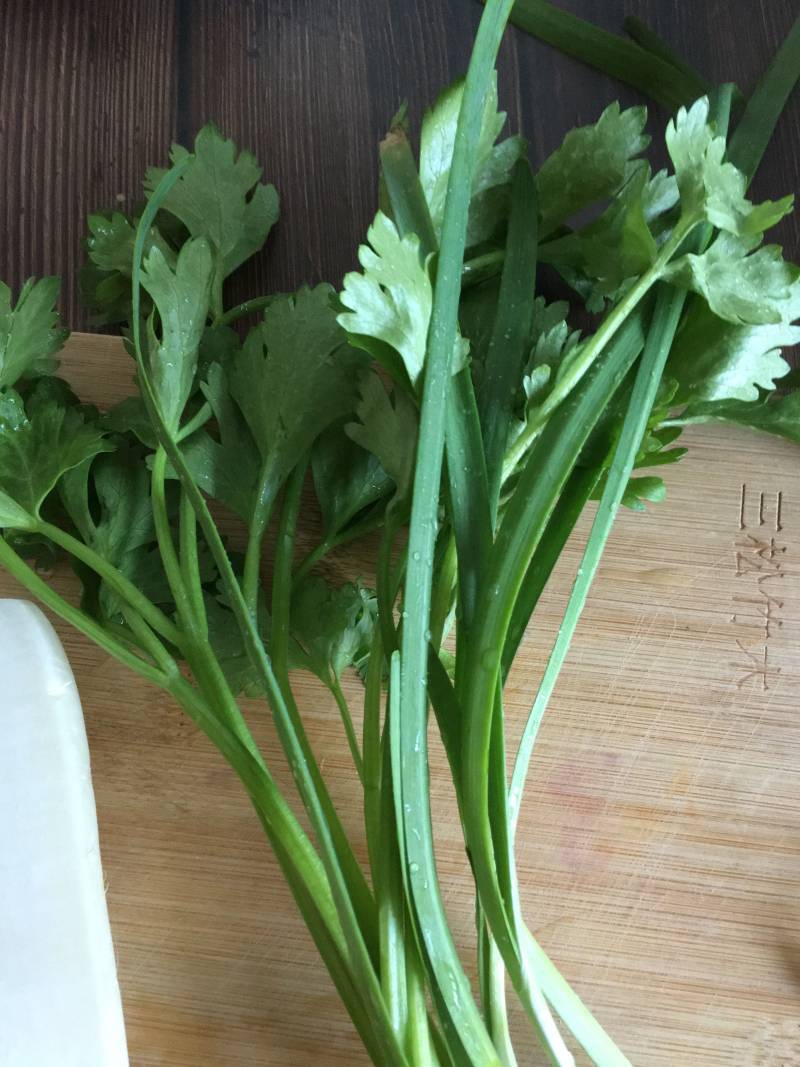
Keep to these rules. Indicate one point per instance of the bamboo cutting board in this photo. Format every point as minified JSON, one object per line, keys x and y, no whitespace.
{"x":659,"y":841}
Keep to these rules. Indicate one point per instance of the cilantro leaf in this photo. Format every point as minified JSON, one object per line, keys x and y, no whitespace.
{"x":37,"y":447}
{"x":391,"y":301}
{"x":347,"y":479}
{"x":331,"y":627}
{"x":108,"y":499}
{"x":225,"y":467}
{"x":600,"y":258}
{"x":711,"y":188}
{"x":388,"y":306}
{"x":229,"y":648}
{"x":493,"y":162}
{"x":294,"y":377}
{"x":181,"y":297}
{"x":386,"y":426}
{"x":111,"y":238}
{"x":29,"y":336}
{"x":715,"y":360}
{"x":740,"y":285}
{"x":591,"y":164}
{"x":221,"y":198}
{"x":643,"y":488}
{"x":771,"y":413}
{"x":130,"y":416}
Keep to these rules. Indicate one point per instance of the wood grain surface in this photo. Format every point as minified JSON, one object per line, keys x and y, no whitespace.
{"x":659,"y":840}
{"x":91,"y":93}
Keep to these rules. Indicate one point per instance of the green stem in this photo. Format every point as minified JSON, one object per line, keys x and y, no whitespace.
{"x":409,"y":206}
{"x":587,"y":353}
{"x":298,"y":860}
{"x":31,"y":581}
{"x":648,"y":39}
{"x":249,"y":307}
{"x":190,"y":563}
{"x":115,"y":580}
{"x":571,"y":1009}
{"x":367,"y":525}
{"x":410,"y":757}
{"x":347,"y":722}
{"x":480,"y":268}
{"x":492,"y":975}
{"x":216,"y":302}
{"x":197,"y":422}
{"x":282,"y":576}
{"x":386,"y":585}
{"x":753,"y":134}
{"x":166,"y":546}
{"x":608,"y":52}
{"x":372,"y":751}
{"x":269,"y":485}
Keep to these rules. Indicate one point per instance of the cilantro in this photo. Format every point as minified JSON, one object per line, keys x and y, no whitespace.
{"x":108,"y":500}
{"x":39,"y":442}
{"x":390,"y":302}
{"x":709,"y":186}
{"x":225,"y":466}
{"x":332,"y":627}
{"x":110,"y":242}
{"x":181,"y":298}
{"x":592,"y":164}
{"x":715,"y":360}
{"x":29,"y":335}
{"x":772,"y":413}
{"x":220,"y":198}
{"x":742,"y":286}
{"x":294,"y":376}
{"x":347,"y":479}
{"x":386,"y":425}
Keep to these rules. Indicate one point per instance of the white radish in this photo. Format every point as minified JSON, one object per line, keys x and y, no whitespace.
{"x":59,"y":996}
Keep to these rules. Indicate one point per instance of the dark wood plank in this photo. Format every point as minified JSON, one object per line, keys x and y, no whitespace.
{"x":90,"y":97}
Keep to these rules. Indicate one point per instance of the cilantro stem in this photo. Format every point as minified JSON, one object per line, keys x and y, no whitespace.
{"x":197,"y":422}
{"x":347,"y":721}
{"x":249,"y":307}
{"x":372,"y":521}
{"x":115,"y":579}
{"x":189,"y":561}
{"x":297,"y":857}
{"x":269,"y":485}
{"x":166,"y":546}
{"x":31,"y":581}
{"x":282,"y":577}
{"x":479,"y":268}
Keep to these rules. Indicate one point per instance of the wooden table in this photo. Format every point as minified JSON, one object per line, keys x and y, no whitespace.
{"x":659,"y":841}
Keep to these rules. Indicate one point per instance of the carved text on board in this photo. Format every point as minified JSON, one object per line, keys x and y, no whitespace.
{"x":759,"y":567}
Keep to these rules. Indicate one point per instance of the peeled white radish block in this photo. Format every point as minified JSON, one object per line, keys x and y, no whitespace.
{"x":59,"y":997}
